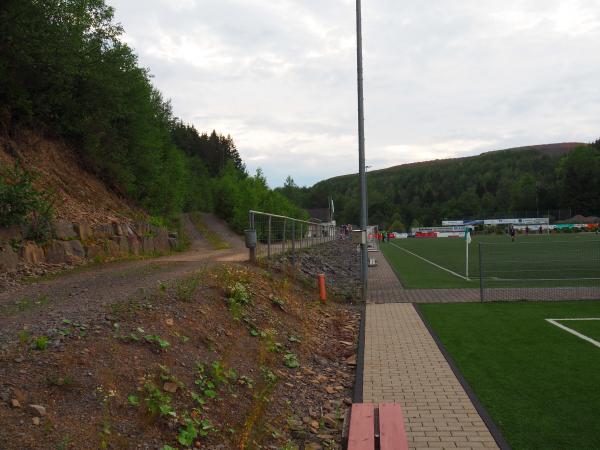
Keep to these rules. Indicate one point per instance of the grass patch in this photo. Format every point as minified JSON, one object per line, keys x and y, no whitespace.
{"x":538,"y":382}
{"x":589,"y":328}
{"x":414,"y":273}
{"x":24,"y":304}
{"x":215,"y":240}
{"x":531,"y":261}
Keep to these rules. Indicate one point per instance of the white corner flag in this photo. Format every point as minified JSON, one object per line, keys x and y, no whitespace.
{"x":467,"y":242}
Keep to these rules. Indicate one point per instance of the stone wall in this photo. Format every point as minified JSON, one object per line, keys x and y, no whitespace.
{"x":73,"y":243}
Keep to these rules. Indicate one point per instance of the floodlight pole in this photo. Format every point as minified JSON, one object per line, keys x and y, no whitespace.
{"x":361,"y":153}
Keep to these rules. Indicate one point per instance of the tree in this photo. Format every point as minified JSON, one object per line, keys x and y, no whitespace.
{"x":578,"y":173}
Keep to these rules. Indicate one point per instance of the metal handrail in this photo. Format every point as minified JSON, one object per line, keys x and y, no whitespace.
{"x":252,"y":212}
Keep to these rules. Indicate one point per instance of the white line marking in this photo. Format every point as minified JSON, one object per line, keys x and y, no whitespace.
{"x":576,"y":333}
{"x":432,"y":263}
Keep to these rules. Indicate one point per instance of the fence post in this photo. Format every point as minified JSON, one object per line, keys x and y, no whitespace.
{"x":283,"y":241}
{"x":480,"y":273}
{"x":294,"y":241}
{"x":269,"y":239}
{"x":251,"y":227}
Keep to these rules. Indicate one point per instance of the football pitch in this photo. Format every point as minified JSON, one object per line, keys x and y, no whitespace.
{"x":534,"y":366}
{"x":561,"y":260}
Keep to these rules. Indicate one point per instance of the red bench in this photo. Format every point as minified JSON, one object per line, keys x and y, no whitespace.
{"x":376,"y":426}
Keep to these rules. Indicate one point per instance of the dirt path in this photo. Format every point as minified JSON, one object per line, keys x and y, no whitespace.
{"x":86,"y":294}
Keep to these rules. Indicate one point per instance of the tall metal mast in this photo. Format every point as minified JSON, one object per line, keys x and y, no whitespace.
{"x":361,"y":151}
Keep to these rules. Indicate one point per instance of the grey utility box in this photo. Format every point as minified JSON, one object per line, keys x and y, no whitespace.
{"x":359,"y":236}
{"x":250,"y":238}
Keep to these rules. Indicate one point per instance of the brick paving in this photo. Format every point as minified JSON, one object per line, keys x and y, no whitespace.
{"x":402,"y":364}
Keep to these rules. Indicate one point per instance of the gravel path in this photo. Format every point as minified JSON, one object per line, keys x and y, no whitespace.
{"x":85,"y":294}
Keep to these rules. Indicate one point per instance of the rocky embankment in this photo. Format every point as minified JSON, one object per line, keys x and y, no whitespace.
{"x":339,"y":260}
{"x":75,"y":243}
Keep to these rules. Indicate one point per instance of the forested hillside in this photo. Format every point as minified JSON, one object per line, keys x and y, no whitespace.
{"x":508,"y":182}
{"x":66,"y":73}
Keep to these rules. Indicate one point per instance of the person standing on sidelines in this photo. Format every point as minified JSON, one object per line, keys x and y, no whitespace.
{"x":512,"y":233}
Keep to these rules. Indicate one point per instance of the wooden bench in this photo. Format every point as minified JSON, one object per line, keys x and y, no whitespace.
{"x":376,"y":426}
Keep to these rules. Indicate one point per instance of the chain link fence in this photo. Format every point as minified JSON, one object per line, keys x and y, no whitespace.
{"x":304,"y":249}
{"x":279,"y":234}
{"x":567,"y":270}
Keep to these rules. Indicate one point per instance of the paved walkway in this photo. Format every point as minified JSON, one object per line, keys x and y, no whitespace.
{"x":403,"y":364}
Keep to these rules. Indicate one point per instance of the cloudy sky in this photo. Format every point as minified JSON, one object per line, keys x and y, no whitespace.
{"x":443,"y":78}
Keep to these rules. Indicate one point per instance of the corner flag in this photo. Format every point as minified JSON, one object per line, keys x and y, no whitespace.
{"x":467,"y":242}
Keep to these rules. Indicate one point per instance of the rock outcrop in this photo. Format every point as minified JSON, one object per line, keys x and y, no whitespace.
{"x":73,"y":243}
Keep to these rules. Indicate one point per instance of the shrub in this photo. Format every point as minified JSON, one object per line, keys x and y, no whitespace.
{"x":21,"y":202}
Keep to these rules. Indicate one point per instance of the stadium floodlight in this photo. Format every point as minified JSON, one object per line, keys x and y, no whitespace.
{"x":361,"y":152}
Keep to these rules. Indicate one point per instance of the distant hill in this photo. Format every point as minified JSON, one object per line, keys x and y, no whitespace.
{"x":517,"y":181}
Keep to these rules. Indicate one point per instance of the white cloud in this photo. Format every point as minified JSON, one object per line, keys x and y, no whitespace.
{"x":442,"y":79}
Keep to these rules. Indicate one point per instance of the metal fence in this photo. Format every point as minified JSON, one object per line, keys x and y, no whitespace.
{"x":280,"y":234}
{"x":561,"y":270}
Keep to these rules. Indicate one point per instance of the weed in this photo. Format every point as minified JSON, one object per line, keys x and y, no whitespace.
{"x":276,"y":301}
{"x":157,"y":402}
{"x":194,"y":428}
{"x":24,"y":337}
{"x":291,"y":360}
{"x":293,"y":338}
{"x":269,"y":377}
{"x":133,"y":400}
{"x":235,"y":309}
{"x":237,"y":299}
{"x":239,"y":293}
{"x":188,"y":434}
{"x":25,"y":304}
{"x":41,"y":343}
{"x":246,"y":381}
{"x":271,"y":345}
{"x":153,"y":338}
{"x":187,"y":288}
{"x":64,"y":444}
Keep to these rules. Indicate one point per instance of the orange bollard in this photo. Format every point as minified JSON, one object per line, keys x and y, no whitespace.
{"x":322,"y":291}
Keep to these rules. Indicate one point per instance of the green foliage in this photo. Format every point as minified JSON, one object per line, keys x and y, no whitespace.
{"x":508,"y":182}
{"x":65,"y":68}
{"x":157,"y":402}
{"x":21,"y":203}
{"x":291,"y":360}
{"x":163,"y":344}
{"x":580,"y":181}
{"x":239,"y":294}
{"x":193,"y":429}
{"x":41,"y":343}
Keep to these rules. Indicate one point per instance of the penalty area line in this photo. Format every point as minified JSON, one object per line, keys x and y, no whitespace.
{"x":574,"y":332}
{"x":431,"y":262}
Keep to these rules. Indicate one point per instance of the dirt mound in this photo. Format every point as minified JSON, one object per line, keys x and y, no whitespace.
{"x":79,"y":195}
{"x":232,"y":357}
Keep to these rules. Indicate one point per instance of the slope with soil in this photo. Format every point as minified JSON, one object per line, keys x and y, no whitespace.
{"x":79,"y":196}
{"x":234,"y":356}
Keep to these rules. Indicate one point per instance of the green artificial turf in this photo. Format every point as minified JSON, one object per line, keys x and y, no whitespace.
{"x":540,"y":384}
{"x":589,"y":328}
{"x":531,"y":261}
{"x":416,"y":273}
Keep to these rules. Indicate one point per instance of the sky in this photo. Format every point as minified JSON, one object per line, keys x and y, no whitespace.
{"x":443,"y":78}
